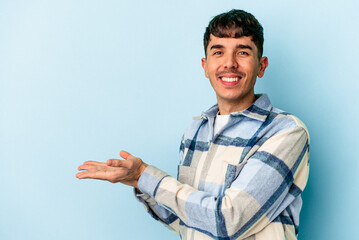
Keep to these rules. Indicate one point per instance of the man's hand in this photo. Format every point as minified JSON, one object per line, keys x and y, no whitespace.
{"x":126,"y":171}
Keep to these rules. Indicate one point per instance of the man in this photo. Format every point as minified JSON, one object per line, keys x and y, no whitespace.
{"x":243,"y":163}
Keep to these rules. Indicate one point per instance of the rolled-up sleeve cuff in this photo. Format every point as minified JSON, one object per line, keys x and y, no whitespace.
{"x":150,"y":180}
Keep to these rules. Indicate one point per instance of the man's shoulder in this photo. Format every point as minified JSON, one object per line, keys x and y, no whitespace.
{"x":194,"y":125}
{"x":284,"y":121}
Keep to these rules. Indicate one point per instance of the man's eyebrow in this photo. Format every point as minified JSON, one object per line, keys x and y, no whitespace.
{"x":216,"y":46}
{"x":242,"y":46}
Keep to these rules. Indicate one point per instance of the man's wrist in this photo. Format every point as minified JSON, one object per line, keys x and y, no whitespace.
{"x":142,"y":168}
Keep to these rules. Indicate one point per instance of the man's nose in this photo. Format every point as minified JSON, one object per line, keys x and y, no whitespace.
{"x":230,"y":62}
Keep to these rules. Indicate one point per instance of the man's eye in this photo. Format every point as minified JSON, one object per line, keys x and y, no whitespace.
{"x":217,"y":53}
{"x":243,"y":53}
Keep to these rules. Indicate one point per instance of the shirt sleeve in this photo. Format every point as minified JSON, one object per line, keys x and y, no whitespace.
{"x":268,"y":183}
{"x":158,"y":212}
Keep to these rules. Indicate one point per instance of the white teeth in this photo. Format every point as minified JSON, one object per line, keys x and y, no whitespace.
{"x":226,"y":79}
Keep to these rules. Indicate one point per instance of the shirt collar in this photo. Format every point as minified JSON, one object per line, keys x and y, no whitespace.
{"x":259,"y":110}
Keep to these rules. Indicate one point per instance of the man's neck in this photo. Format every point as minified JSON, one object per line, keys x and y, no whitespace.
{"x":226,"y":108}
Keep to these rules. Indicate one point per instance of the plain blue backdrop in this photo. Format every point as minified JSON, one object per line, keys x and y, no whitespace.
{"x":82,"y":80}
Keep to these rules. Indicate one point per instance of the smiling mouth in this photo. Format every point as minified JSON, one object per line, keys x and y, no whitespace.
{"x":230,"y":79}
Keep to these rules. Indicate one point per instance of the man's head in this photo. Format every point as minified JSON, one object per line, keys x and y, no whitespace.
{"x":234,"y":46}
{"x":235,"y":24}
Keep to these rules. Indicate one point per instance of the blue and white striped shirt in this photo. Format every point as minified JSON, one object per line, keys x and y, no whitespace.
{"x":245,"y":182}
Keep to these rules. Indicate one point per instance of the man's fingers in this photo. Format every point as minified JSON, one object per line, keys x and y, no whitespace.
{"x":93,"y":175}
{"x":119,"y":163}
{"x":88,"y":164}
{"x":91,"y":165}
{"x":83,"y":167}
{"x":114,"y":162}
{"x":95,"y":163}
{"x":126,"y":155}
{"x":81,"y":175}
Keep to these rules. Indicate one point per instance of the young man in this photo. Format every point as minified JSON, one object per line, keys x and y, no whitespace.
{"x":243,"y":164}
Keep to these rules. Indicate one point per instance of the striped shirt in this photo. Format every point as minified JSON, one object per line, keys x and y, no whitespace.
{"x":245,"y":182}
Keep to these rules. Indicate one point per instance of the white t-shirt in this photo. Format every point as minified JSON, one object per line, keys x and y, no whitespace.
{"x":219,"y":123}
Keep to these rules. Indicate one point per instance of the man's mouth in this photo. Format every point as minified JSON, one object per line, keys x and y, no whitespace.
{"x":230,"y":79}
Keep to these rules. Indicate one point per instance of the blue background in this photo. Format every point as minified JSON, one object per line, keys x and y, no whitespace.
{"x":82,"y":80}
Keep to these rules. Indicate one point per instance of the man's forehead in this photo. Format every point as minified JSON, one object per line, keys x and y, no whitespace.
{"x":247,"y":40}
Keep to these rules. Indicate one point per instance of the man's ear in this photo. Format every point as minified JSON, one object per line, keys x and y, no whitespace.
{"x":204,"y":66}
{"x":263,"y":64}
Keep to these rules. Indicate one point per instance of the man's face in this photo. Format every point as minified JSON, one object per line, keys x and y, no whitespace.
{"x":232,"y":66}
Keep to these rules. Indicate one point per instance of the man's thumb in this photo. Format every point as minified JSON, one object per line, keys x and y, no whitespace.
{"x":126,"y":155}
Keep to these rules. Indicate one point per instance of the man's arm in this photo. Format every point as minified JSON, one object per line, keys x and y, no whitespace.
{"x":128,"y":171}
{"x":159,"y":212}
{"x":269,"y":182}
{"x":257,"y":195}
